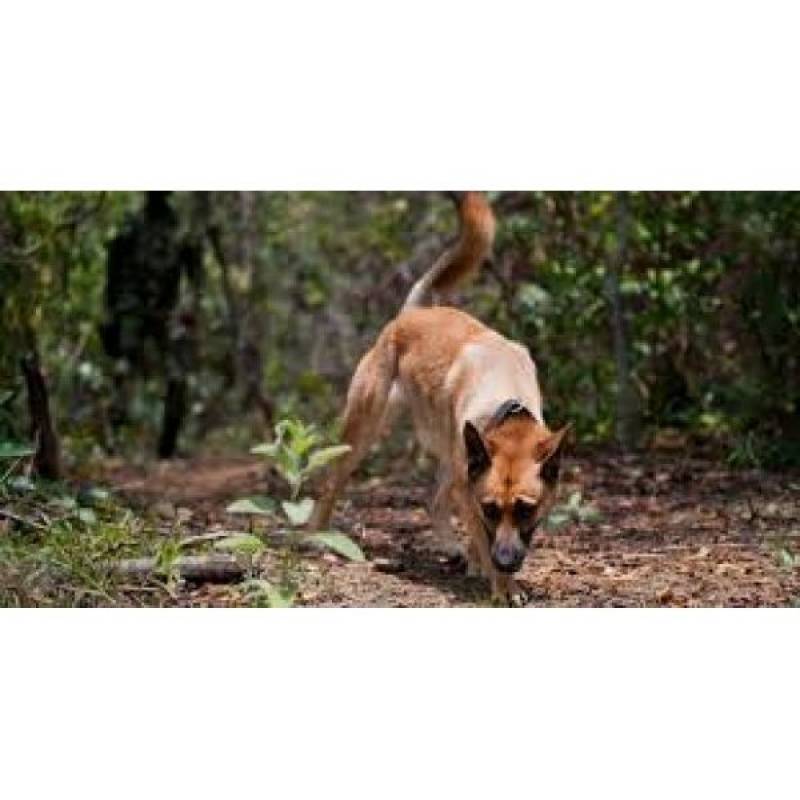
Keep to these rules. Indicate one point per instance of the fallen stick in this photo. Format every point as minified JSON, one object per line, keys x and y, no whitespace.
{"x":216,"y":568}
{"x":188,"y":541}
{"x":21,"y":520}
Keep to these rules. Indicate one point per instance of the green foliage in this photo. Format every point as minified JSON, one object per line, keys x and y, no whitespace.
{"x":299,"y":512}
{"x":296,"y":452}
{"x":746,"y":451}
{"x":708,"y":280}
{"x":339,"y":543}
{"x":295,"y":455}
{"x":711,"y":296}
{"x":756,"y":450}
{"x":574,"y":510}
{"x":166,"y":566}
{"x":15,"y":450}
{"x":51,"y":283}
{"x":264,"y":594}
{"x":16,"y":453}
{"x":241,"y":544}
{"x":58,"y":554}
{"x":787,"y":559}
{"x":252,"y":505}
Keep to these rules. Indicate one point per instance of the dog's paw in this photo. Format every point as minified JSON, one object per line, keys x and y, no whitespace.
{"x":512,"y":595}
{"x":520,"y":598}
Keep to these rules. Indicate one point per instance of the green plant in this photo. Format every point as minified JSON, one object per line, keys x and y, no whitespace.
{"x":58,"y":556}
{"x":263,"y":594}
{"x":752,"y":450}
{"x":296,"y":454}
{"x":166,"y":565}
{"x":574,"y":510}
{"x":787,"y":559}
{"x":746,"y":451}
{"x":16,"y":453}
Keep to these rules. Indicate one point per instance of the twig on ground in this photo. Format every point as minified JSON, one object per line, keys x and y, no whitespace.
{"x":4,"y":512}
{"x":216,"y":568}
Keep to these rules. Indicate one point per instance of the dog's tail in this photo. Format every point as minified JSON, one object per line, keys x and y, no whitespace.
{"x":464,"y":257}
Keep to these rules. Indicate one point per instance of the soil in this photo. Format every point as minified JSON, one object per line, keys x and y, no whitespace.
{"x":669,"y":532}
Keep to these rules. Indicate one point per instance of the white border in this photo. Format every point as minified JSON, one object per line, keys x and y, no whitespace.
{"x":309,"y":703}
{"x":347,"y":95}
{"x":359,"y":95}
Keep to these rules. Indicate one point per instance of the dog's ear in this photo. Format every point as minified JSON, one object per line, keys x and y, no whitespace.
{"x":548,"y":453}
{"x":478,"y":458}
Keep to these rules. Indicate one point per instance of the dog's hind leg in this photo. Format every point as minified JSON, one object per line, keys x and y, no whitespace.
{"x":365,"y":417}
{"x":394,"y":406}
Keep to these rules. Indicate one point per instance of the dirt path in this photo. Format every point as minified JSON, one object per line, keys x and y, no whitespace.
{"x":669,"y":533}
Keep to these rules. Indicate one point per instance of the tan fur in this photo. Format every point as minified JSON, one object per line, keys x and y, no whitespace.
{"x":450,"y":370}
{"x":462,"y":260}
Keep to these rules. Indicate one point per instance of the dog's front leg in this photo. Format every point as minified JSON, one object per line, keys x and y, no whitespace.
{"x":444,"y":536}
{"x":479,"y":558}
{"x":474,"y":569}
{"x":507,"y":591}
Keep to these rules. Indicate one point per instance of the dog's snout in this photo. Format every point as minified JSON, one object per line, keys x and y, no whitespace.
{"x":507,"y":557}
{"x":504,"y":553}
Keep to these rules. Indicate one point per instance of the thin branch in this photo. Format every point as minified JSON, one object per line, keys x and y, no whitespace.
{"x":4,"y":512}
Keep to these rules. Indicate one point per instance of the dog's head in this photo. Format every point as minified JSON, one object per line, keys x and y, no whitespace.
{"x":512,"y":473}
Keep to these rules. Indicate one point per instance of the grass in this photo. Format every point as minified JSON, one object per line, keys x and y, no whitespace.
{"x":58,"y":542}
{"x":59,"y":555}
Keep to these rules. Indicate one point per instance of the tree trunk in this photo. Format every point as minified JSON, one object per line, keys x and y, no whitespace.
{"x":47,"y":460}
{"x":252,"y":331}
{"x":175,"y":408}
{"x":244,"y":323}
{"x":627,"y":415}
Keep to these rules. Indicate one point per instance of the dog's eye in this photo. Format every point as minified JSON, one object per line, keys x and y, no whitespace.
{"x":491,"y":511}
{"x":523,"y":511}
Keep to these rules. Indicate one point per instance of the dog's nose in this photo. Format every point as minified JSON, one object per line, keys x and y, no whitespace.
{"x":506,"y":557}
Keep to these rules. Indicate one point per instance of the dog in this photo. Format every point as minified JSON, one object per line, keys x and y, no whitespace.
{"x":476,"y":406}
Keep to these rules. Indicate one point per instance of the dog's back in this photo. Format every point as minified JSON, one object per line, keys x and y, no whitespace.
{"x":452,"y":368}
{"x":376,"y":391}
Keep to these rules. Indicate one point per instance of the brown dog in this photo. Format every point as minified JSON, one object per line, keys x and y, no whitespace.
{"x":476,"y":406}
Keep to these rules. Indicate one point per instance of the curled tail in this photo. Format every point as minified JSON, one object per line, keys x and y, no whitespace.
{"x":464,"y":257}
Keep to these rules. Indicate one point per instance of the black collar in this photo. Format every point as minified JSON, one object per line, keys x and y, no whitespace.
{"x":506,"y":409}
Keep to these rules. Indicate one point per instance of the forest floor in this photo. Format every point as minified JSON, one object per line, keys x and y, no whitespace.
{"x":661,"y":531}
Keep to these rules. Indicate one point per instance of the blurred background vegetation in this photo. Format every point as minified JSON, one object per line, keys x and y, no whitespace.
{"x":667,"y":320}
